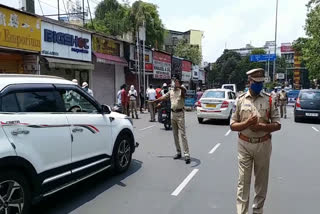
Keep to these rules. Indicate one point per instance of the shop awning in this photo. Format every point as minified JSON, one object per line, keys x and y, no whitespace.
{"x":68,"y":64}
{"x":109,"y":59}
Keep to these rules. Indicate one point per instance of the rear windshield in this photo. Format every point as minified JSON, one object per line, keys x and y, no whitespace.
{"x":214,"y":94}
{"x":228,"y":87}
{"x":310,"y":95}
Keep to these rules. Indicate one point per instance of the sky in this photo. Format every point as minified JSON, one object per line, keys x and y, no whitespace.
{"x":226,"y":23}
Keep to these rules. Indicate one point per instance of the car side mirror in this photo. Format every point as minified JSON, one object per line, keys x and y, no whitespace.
{"x":106,"y":109}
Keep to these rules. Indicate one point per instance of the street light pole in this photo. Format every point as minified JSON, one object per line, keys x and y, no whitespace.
{"x":275,"y":42}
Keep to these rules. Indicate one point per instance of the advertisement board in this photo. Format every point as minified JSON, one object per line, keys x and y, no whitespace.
{"x":161,"y":65}
{"x":58,"y":41}
{"x":286,"y":48}
{"x":18,"y":30}
{"x":195,"y":72}
{"x":105,"y":46}
{"x":186,"y":71}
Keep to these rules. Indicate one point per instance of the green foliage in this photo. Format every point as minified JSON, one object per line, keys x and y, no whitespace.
{"x":155,"y":32}
{"x":189,"y":52}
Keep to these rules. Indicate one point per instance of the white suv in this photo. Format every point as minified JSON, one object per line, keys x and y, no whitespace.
{"x":52,"y":135}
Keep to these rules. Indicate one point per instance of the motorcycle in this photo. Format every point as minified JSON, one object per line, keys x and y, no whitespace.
{"x":165,"y":115}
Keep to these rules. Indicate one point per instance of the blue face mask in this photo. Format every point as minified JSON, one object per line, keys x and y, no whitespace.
{"x":256,"y":87}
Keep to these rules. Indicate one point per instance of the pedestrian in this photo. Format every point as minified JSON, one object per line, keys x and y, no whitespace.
{"x":177,"y":97}
{"x":255,"y":117}
{"x":283,"y":101}
{"x":274,"y":95}
{"x":75,"y":81}
{"x":124,"y":99}
{"x":119,"y":96}
{"x":151,"y":93}
{"x":158,"y":92}
{"x":133,"y":101}
{"x":165,"y":89}
{"x":85,"y":87}
{"x":141,"y":95}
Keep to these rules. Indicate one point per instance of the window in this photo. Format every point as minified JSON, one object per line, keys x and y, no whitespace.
{"x":75,"y":102}
{"x":214,"y":94}
{"x":310,"y":95}
{"x":35,"y":101}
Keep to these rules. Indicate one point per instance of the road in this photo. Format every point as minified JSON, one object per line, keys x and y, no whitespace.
{"x":157,"y":184}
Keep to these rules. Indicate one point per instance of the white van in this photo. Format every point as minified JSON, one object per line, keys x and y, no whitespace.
{"x":231,"y":87}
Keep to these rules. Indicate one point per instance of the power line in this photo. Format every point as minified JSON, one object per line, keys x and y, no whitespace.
{"x":50,"y":5}
{"x":66,"y":10}
{"x":40,"y":7}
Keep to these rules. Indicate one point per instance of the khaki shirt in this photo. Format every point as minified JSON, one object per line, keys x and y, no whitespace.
{"x":283,"y":96}
{"x":260,"y":106}
{"x":177,"y":101}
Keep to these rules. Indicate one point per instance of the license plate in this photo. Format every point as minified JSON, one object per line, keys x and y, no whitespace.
{"x":312,"y":114}
{"x":211,"y":105}
{"x":164,"y":115}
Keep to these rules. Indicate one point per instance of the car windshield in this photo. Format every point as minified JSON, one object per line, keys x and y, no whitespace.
{"x":310,"y":95}
{"x":214,"y":94}
{"x":228,"y":87}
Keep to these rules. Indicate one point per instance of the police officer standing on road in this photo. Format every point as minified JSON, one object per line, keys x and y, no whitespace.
{"x":255,"y":118}
{"x":177,"y":96}
{"x":283,"y":101}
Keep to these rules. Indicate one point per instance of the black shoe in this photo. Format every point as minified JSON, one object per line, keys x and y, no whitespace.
{"x":177,"y":156}
{"x":188,"y":160}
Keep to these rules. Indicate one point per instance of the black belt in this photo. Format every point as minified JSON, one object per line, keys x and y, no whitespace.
{"x":177,"y":110}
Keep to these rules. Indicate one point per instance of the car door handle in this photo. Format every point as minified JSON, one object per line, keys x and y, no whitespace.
{"x":111,"y":119}
{"x":77,"y":130}
{"x":19,"y":131}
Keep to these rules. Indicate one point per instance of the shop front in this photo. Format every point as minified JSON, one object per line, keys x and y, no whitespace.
{"x":110,"y":66}
{"x":20,"y":42}
{"x":66,"y":52}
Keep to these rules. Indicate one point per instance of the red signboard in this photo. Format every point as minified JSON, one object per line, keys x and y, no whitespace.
{"x":161,"y":65}
{"x":286,"y":49}
{"x":162,"y":57}
{"x":186,"y":66}
{"x":149,"y":67}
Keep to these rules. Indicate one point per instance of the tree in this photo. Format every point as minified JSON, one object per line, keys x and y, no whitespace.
{"x":111,"y":18}
{"x":188,"y":52}
{"x":148,"y":13}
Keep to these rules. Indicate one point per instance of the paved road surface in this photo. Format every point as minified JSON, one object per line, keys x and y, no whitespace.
{"x":157,"y":184}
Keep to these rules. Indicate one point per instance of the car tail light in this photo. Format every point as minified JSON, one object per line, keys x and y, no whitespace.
{"x":198,"y":104}
{"x":225,"y":104}
{"x":298,"y":104}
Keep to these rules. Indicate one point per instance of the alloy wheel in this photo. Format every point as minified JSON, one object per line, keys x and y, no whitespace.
{"x":11,"y":197}
{"x":124,"y":153}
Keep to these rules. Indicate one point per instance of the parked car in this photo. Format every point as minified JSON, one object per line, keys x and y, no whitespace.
{"x":216,"y":104}
{"x":292,"y":96}
{"x":231,"y":87}
{"x":52,"y":136}
{"x":307,"y":105}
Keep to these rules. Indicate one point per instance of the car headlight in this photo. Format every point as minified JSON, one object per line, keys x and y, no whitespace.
{"x":130,"y":119}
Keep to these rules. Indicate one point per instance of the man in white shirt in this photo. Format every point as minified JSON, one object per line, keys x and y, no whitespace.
{"x":151,"y":94}
{"x":133,"y":101}
{"x":85,"y":87}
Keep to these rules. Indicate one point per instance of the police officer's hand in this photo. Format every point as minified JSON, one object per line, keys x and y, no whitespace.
{"x":257,"y":127}
{"x":252,"y":120}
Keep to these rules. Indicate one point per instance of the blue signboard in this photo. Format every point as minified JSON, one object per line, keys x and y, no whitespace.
{"x":263,"y":58}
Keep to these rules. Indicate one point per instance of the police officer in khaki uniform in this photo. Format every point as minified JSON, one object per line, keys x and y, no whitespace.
{"x":177,"y":97}
{"x":255,"y":118}
{"x":283,"y":101}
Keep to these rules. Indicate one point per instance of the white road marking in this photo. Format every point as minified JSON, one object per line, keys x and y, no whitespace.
{"x":184,"y":182}
{"x":214,"y":148}
{"x":149,"y":127}
{"x":314,"y":128}
{"x":227,"y":133}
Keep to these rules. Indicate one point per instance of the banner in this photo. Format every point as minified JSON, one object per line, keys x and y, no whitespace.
{"x":105,"y":46}
{"x":186,"y":71}
{"x":18,"y":30}
{"x":161,"y":65}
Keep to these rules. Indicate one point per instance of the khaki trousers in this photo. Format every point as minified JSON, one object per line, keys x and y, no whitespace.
{"x":178,"y":125}
{"x":283,"y":108}
{"x":133,"y":108}
{"x":125,"y":109}
{"x":256,"y":156}
{"x":152,"y":108}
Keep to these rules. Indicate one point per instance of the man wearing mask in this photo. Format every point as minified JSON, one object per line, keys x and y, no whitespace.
{"x":255,"y":117}
{"x":133,"y":101}
{"x":177,"y":97}
{"x":283,"y":101}
{"x":85,"y":87}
